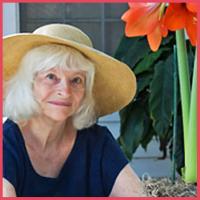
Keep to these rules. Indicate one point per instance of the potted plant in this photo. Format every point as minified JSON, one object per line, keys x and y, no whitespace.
{"x":162,"y":108}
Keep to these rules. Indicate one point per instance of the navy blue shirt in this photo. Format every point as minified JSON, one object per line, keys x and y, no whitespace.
{"x":90,"y":169}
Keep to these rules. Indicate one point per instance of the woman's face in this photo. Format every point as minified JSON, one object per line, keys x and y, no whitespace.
{"x":59,"y":92}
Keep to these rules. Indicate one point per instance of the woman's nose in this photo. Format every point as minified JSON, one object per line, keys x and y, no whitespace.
{"x":64,"y":88}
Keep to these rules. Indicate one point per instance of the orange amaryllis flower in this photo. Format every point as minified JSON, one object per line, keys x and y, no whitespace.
{"x":182,"y":15}
{"x":146,"y":19}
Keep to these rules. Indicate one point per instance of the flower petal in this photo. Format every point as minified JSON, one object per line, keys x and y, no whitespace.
{"x":154,"y":39}
{"x":191,"y":28}
{"x":138,"y":25}
{"x":133,"y":15}
{"x":192,"y":7}
{"x":175,"y":16}
{"x":163,"y":28}
{"x":142,"y":5}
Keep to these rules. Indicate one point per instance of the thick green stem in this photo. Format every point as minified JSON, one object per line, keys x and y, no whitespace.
{"x":183,"y":71}
{"x":191,"y":158}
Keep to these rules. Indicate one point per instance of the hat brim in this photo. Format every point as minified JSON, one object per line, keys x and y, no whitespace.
{"x":114,"y":84}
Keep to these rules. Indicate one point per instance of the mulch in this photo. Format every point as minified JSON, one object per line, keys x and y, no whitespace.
{"x":164,"y":187}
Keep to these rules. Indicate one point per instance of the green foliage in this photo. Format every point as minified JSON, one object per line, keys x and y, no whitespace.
{"x":179,"y":150}
{"x":161,"y":96}
{"x":151,"y":112}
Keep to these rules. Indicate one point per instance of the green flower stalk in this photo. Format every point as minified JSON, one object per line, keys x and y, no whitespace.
{"x":188,"y":108}
{"x":191,"y":151}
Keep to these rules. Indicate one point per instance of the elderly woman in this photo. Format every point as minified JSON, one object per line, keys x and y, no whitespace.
{"x":55,"y":87}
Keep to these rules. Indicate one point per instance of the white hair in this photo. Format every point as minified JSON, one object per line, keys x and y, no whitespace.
{"x":19,"y":102}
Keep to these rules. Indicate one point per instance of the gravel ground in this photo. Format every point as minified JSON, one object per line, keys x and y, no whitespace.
{"x":164,"y":187}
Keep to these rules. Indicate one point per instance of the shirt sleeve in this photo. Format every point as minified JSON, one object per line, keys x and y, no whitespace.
{"x":11,"y":161}
{"x":113,"y":161}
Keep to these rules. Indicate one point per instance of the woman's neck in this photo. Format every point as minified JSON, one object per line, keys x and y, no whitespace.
{"x":44,"y":133}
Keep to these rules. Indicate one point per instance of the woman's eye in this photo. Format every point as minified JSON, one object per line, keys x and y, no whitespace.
{"x":51,"y":76}
{"x":77,"y":82}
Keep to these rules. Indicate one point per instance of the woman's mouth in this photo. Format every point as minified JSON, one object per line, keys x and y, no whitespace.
{"x":60,"y":103}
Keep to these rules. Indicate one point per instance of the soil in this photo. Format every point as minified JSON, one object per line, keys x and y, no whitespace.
{"x":164,"y":187}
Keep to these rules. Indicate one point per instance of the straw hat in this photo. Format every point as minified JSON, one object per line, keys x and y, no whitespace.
{"x":114,"y":84}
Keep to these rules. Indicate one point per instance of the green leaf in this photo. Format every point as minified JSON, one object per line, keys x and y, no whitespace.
{"x":132,"y":50}
{"x":169,"y":41}
{"x":179,"y":146}
{"x":148,"y":132}
{"x":132,"y":127}
{"x":124,"y":46}
{"x":143,"y":81}
{"x":148,"y":61}
{"x":164,"y":140}
{"x":161,"y":95}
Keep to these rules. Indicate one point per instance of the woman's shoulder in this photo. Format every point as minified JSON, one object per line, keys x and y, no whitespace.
{"x":11,"y":132}
{"x":9,"y":125}
{"x":13,"y":156}
{"x":97,"y":131}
